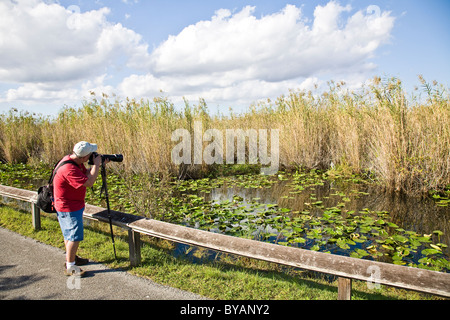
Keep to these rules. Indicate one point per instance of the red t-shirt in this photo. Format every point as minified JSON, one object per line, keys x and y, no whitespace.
{"x":68,"y":187}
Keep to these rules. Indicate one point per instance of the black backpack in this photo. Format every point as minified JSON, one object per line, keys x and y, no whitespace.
{"x":45,"y":193}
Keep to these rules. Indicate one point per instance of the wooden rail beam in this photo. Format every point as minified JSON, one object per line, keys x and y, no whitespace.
{"x":359,"y":269}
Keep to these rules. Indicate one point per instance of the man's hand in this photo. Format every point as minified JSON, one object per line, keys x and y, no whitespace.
{"x":93,"y":173}
{"x":98,"y":160}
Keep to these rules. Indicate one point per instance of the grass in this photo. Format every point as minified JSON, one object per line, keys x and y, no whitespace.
{"x":223,"y":279}
{"x":403,"y":142}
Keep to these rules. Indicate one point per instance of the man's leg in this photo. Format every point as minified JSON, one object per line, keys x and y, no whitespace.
{"x":72,"y":228}
{"x":71,"y":250}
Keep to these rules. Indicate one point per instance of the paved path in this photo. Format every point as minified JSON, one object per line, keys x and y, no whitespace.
{"x":33,"y":270}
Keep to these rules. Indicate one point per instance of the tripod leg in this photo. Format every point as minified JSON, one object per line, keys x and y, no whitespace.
{"x":105,"y":189}
{"x":112,"y":237}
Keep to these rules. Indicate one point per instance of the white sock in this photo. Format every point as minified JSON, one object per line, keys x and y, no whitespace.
{"x":70,"y":265}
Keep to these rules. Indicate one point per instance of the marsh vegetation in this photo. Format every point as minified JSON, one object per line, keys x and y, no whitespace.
{"x":364,"y":174}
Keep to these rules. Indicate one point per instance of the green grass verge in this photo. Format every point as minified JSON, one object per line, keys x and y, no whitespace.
{"x":225,"y":278}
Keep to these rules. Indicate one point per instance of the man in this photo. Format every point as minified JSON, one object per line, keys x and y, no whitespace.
{"x":69,"y":185}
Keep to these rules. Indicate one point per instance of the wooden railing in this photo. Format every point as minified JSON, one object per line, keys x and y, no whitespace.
{"x":345,"y":268}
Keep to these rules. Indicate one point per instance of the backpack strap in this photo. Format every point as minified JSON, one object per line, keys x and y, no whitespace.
{"x":55,"y":169}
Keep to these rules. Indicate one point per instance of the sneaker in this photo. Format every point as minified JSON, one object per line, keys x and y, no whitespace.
{"x":74,"y":272}
{"x":81,"y":261}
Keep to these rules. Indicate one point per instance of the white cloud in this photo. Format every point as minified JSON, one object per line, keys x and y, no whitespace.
{"x":43,"y":92}
{"x":57,"y":92}
{"x":238,"y":57}
{"x":277,"y":47}
{"x":130,"y":1}
{"x":45,"y":44}
{"x":235,"y":57}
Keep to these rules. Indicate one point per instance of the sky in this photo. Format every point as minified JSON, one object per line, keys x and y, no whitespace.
{"x":230,"y":53}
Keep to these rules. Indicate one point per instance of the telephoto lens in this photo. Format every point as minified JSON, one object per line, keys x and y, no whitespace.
{"x":113,"y":157}
{"x":110,"y":157}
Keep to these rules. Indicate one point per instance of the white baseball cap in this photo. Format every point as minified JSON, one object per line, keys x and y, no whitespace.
{"x":83,"y":148}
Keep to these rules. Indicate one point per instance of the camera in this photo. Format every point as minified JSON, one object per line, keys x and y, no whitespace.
{"x":110,"y":157}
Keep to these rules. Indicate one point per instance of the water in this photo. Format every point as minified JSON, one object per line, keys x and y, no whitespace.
{"x":407,"y":219}
{"x":410,"y":213}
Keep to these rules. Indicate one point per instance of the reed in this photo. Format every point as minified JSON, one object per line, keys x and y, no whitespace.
{"x":403,"y":142}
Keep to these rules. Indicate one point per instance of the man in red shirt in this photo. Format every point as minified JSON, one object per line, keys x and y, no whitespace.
{"x":69,"y":185}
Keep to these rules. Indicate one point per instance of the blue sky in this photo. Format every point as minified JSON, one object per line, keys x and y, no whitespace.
{"x":230,"y":53}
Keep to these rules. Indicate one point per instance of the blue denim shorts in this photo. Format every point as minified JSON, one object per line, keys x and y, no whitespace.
{"x":71,"y":224}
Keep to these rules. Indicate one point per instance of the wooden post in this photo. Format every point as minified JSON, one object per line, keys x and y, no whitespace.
{"x":344,"y":288}
{"x":134,"y":245}
{"x":36,"y":216}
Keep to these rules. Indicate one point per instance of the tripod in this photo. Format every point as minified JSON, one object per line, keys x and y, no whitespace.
{"x":105,"y":189}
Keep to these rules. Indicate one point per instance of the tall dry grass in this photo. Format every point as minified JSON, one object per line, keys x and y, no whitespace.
{"x":404,"y":142}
